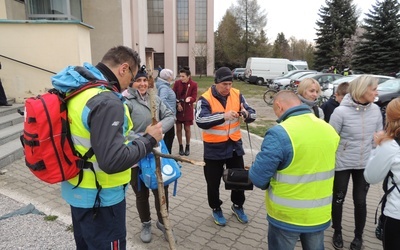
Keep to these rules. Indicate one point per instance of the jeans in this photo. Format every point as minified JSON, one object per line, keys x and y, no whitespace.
{"x":279,"y":239}
{"x":360,"y":190}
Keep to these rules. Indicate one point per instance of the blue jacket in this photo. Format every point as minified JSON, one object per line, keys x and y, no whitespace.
{"x":277,"y":154}
{"x":166,"y":94}
{"x":206,"y":120}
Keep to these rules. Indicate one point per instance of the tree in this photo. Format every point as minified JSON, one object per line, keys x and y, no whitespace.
{"x":228,"y":43}
{"x":281,"y":47}
{"x":252,"y":19}
{"x":379,"y":49}
{"x":338,"y":21}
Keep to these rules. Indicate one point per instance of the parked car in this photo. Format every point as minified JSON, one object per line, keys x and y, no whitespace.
{"x":333,"y":86}
{"x":387,"y":91}
{"x":324,"y":80}
{"x":237,"y":73}
{"x":295,"y":74}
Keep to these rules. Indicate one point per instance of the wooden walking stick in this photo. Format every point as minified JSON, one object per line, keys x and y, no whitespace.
{"x":161,"y":192}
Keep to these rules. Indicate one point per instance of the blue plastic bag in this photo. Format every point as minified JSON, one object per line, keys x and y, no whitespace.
{"x":170,"y":169}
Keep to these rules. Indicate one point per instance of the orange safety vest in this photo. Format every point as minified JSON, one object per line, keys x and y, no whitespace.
{"x":228,"y":129}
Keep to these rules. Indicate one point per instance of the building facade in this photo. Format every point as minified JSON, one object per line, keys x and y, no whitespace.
{"x":166,"y":33}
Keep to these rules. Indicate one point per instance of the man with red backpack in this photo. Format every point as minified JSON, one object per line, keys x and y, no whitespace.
{"x":99,"y":121}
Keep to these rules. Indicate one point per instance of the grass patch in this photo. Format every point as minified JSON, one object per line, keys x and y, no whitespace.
{"x":258,"y":127}
{"x":50,"y":217}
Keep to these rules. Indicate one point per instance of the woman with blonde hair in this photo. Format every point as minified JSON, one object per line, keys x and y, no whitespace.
{"x":385,"y":163}
{"x":355,"y":120}
{"x":308,"y":92}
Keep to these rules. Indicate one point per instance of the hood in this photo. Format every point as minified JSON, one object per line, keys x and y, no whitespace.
{"x":72,"y":77}
{"x":160,"y":82}
{"x":349,"y":102}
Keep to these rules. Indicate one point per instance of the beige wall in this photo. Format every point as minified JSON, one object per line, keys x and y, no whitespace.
{"x":12,"y":10}
{"x":106,"y":18}
{"x":51,"y":46}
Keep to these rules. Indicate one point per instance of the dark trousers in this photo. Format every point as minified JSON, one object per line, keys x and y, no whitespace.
{"x":142,"y":198}
{"x":169,"y":139}
{"x":360,"y":190}
{"x":213,"y":171}
{"x":107,"y":230}
{"x":391,"y":233}
{"x":3,"y":98}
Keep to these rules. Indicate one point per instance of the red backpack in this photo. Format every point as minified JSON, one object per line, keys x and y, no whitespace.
{"x":48,"y":147}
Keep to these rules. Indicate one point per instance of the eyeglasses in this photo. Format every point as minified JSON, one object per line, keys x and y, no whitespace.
{"x":133,"y":76}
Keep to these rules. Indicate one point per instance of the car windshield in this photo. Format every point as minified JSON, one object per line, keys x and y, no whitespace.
{"x":390,"y":85}
{"x":300,"y":74}
{"x":344,"y":79}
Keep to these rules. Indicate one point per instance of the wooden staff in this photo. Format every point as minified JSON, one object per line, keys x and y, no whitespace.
{"x":179,"y":158}
{"x":160,"y":182}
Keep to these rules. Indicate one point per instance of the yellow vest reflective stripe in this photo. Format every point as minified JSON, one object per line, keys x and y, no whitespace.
{"x":81,"y":138}
{"x":228,"y":129}
{"x":301,"y":194}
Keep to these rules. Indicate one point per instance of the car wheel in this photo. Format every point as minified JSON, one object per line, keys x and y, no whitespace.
{"x":260,"y":81}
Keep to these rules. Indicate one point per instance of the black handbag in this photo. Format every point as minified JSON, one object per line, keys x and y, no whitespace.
{"x":237,"y":179}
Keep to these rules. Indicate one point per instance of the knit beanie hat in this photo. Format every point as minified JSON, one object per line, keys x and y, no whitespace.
{"x":141,"y":73}
{"x":223,"y":74}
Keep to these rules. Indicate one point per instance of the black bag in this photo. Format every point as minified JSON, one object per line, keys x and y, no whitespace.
{"x":237,"y":179}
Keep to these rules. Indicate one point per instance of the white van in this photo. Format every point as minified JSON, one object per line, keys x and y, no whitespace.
{"x":303,"y":65}
{"x":260,"y":70}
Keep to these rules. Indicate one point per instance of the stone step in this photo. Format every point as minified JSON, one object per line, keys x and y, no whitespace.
{"x":10,"y":120}
{"x":10,"y":133}
{"x":10,"y":152}
{"x":7,"y":110}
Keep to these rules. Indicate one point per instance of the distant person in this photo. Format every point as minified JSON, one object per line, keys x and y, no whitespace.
{"x":3,"y":98}
{"x":296,"y":168}
{"x":168,"y":97}
{"x":218,"y":114}
{"x":335,"y":100}
{"x":100,"y":121}
{"x":186,"y":94}
{"x":386,"y":161}
{"x":308,"y":92}
{"x":159,"y":68}
{"x":355,"y":120}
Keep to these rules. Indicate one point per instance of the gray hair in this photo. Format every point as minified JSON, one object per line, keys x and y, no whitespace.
{"x":359,"y":86}
{"x":166,"y":74}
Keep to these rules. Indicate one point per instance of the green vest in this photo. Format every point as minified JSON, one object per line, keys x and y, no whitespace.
{"x":301,"y":194}
{"x":81,"y":138}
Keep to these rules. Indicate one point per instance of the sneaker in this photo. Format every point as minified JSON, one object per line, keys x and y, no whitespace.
{"x":162,"y":228}
{"x":145,"y":234}
{"x":337,"y":240}
{"x":356,"y":244}
{"x":240,"y":215}
{"x":218,"y":216}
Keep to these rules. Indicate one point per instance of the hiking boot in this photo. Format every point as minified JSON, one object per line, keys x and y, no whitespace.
{"x":356,"y":244}
{"x":337,"y":240}
{"x":162,"y":228}
{"x":145,"y":234}
{"x":181,"y":150}
{"x":218,"y":216}
{"x":240,"y":215}
{"x":187,"y":150}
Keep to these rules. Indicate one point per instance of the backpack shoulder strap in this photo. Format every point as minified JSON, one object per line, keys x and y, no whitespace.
{"x":316,"y":110}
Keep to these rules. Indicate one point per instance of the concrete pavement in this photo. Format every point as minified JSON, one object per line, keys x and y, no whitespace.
{"x":190,"y":215}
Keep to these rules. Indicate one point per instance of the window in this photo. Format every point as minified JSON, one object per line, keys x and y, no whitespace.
{"x":201,"y":21}
{"x":183,"y":61}
{"x":158,"y":60}
{"x":201,"y":65}
{"x":183,"y":21}
{"x":290,"y":67}
{"x":54,"y":9}
{"x":155,"y":16}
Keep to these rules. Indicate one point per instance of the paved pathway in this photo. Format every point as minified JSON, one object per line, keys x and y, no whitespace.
{"x":189,"y":212}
